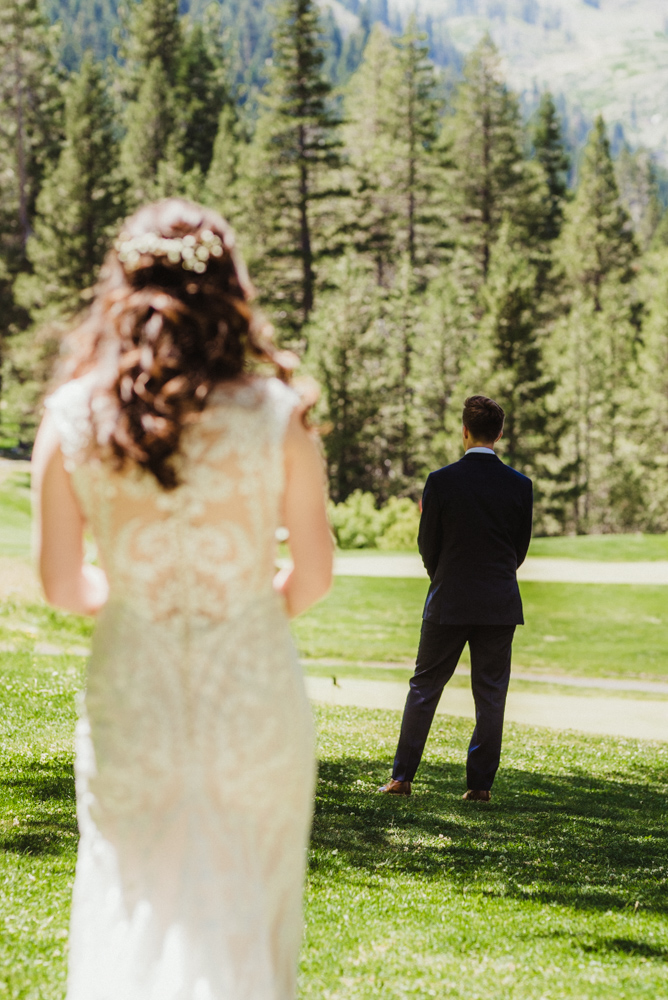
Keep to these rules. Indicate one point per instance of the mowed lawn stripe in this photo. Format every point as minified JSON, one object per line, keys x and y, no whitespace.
{"x":587,"y":630}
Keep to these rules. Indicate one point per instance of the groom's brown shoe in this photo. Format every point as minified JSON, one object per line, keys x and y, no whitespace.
{"x":477,"y":795}
{"x":396,"y":787}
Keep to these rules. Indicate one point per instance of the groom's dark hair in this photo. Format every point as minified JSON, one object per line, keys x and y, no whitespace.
{"x":483,"y":417}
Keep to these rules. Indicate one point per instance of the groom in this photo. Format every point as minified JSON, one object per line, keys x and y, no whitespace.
{"x":474,"y":533}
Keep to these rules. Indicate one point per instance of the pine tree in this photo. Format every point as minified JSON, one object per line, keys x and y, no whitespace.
{"x":30,"y":122}
{"x":598,"y":241}
{"x":550,"y":152}
{"x":490,"y":177}
{"x":150,"y":137}
{"x":151,"y":31}
{"x":80,"y":202}
{"x":597,"y":341}
{"x":368,"y":137}
{"x":448,"y":340}
{"x":397,"y":166}
{"x":406,"y":318}
{"x":201,"y":93}
{"x":151,"y":153}
{"x":653,"y":378}
{"x":222,"y":188}
{"x":515,"y":331}
{"x":295,"y":160}
{"x":416,"y":128}
{"x":638,"y":190}
{"x":346,"y":355}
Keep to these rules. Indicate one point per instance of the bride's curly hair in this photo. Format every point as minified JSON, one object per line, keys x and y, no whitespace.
{"x":170,"y":320}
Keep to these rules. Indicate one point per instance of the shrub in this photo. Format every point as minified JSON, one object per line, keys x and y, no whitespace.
{"x":401,"y":520}
{"x":358,"y":524}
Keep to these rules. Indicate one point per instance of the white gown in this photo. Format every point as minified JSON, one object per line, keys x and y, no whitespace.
{"x":195,"y":757}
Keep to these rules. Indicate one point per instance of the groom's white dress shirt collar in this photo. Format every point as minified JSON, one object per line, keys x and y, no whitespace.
{"x":480,"y":451}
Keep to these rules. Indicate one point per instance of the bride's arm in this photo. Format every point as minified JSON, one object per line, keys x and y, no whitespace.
{"x":305,"y":517}
{"x":59,"y":531}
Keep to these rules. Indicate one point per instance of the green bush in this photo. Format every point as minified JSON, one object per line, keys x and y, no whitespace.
{"x":358,"y":524}
{"x":401,"y":520}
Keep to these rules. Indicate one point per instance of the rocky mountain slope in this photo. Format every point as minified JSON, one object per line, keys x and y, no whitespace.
{"x":601,"y":55}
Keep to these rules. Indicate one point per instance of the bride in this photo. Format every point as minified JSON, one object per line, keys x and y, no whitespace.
{"x":194,"y":750}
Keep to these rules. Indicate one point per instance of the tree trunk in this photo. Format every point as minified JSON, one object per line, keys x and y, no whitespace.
{"x":305,"y":231}
{"x":486,"y":194}
{"x":21,"y":168}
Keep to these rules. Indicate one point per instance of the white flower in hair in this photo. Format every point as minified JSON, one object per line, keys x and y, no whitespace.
{"x":193,"y":252}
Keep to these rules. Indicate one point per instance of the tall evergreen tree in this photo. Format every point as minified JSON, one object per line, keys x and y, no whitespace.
{"x":81,"y":200}
{"x":295,"y":161}
{"x":515,"y":332}
{"x":598,"y":240}
{"x":402,"y":319}
{"x":30,"y":119}
{"x":151,"y":153}
{"x":449,"y":339}
{"x":151,"y":30}
{"x":397,"y":166}
{"x":346,"y":353}
{"x":222,"y":189}
{"x":639,"y":192}
{"x":551,"y":153}
{"x":201,"y":93}
{"x":652,"y":447}
{"x":368,"y":137}
{"x":490,"y":175}
{"x":416,"y":128}
{"x":150,"y":134}
{"x":597,"y":341}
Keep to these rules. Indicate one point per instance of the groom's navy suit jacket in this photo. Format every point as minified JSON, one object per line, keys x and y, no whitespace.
{"x":475,"y":530}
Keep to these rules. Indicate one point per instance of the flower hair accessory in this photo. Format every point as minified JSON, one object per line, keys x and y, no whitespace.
{"x":191,"y":252}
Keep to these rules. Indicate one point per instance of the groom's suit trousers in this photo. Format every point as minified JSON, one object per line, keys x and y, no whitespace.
{"x":438,"y":655}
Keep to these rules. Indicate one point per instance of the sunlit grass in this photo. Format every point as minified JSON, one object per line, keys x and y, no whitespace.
{"x":606,"y":548}
{"x":585,"y":629}
{"x":15,"y":514}
{"x":534,"y":897}
{"x":635,"y":547}
{"x":555,"y":889}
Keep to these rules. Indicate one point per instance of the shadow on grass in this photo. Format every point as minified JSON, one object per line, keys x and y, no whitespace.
{"x":625,"y":946}
{"x":41,"y":798}
{"x":572,"y":839}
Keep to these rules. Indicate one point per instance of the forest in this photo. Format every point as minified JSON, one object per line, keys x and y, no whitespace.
{"x":412,"y":236}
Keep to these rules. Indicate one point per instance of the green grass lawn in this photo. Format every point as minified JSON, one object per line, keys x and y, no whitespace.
{"x":585,"y":629}
{"x":557,"y":889}
{"x":38,"y":828}
{"x":606,"y":548}
{"x":15,"y":515}
{"x":603,"y":548}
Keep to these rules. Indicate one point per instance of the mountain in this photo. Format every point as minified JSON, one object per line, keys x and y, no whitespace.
{"x":608,"y":56}
{"x":594,"y":55}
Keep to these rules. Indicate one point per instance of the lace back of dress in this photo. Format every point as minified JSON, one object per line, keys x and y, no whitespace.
{"x":205,"y":549}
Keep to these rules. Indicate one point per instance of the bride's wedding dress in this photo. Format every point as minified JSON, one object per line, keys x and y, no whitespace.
{"x":194,"y":763}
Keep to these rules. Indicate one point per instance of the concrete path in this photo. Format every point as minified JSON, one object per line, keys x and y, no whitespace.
{"x":545,"y":570}
{"x":647,"y":720}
